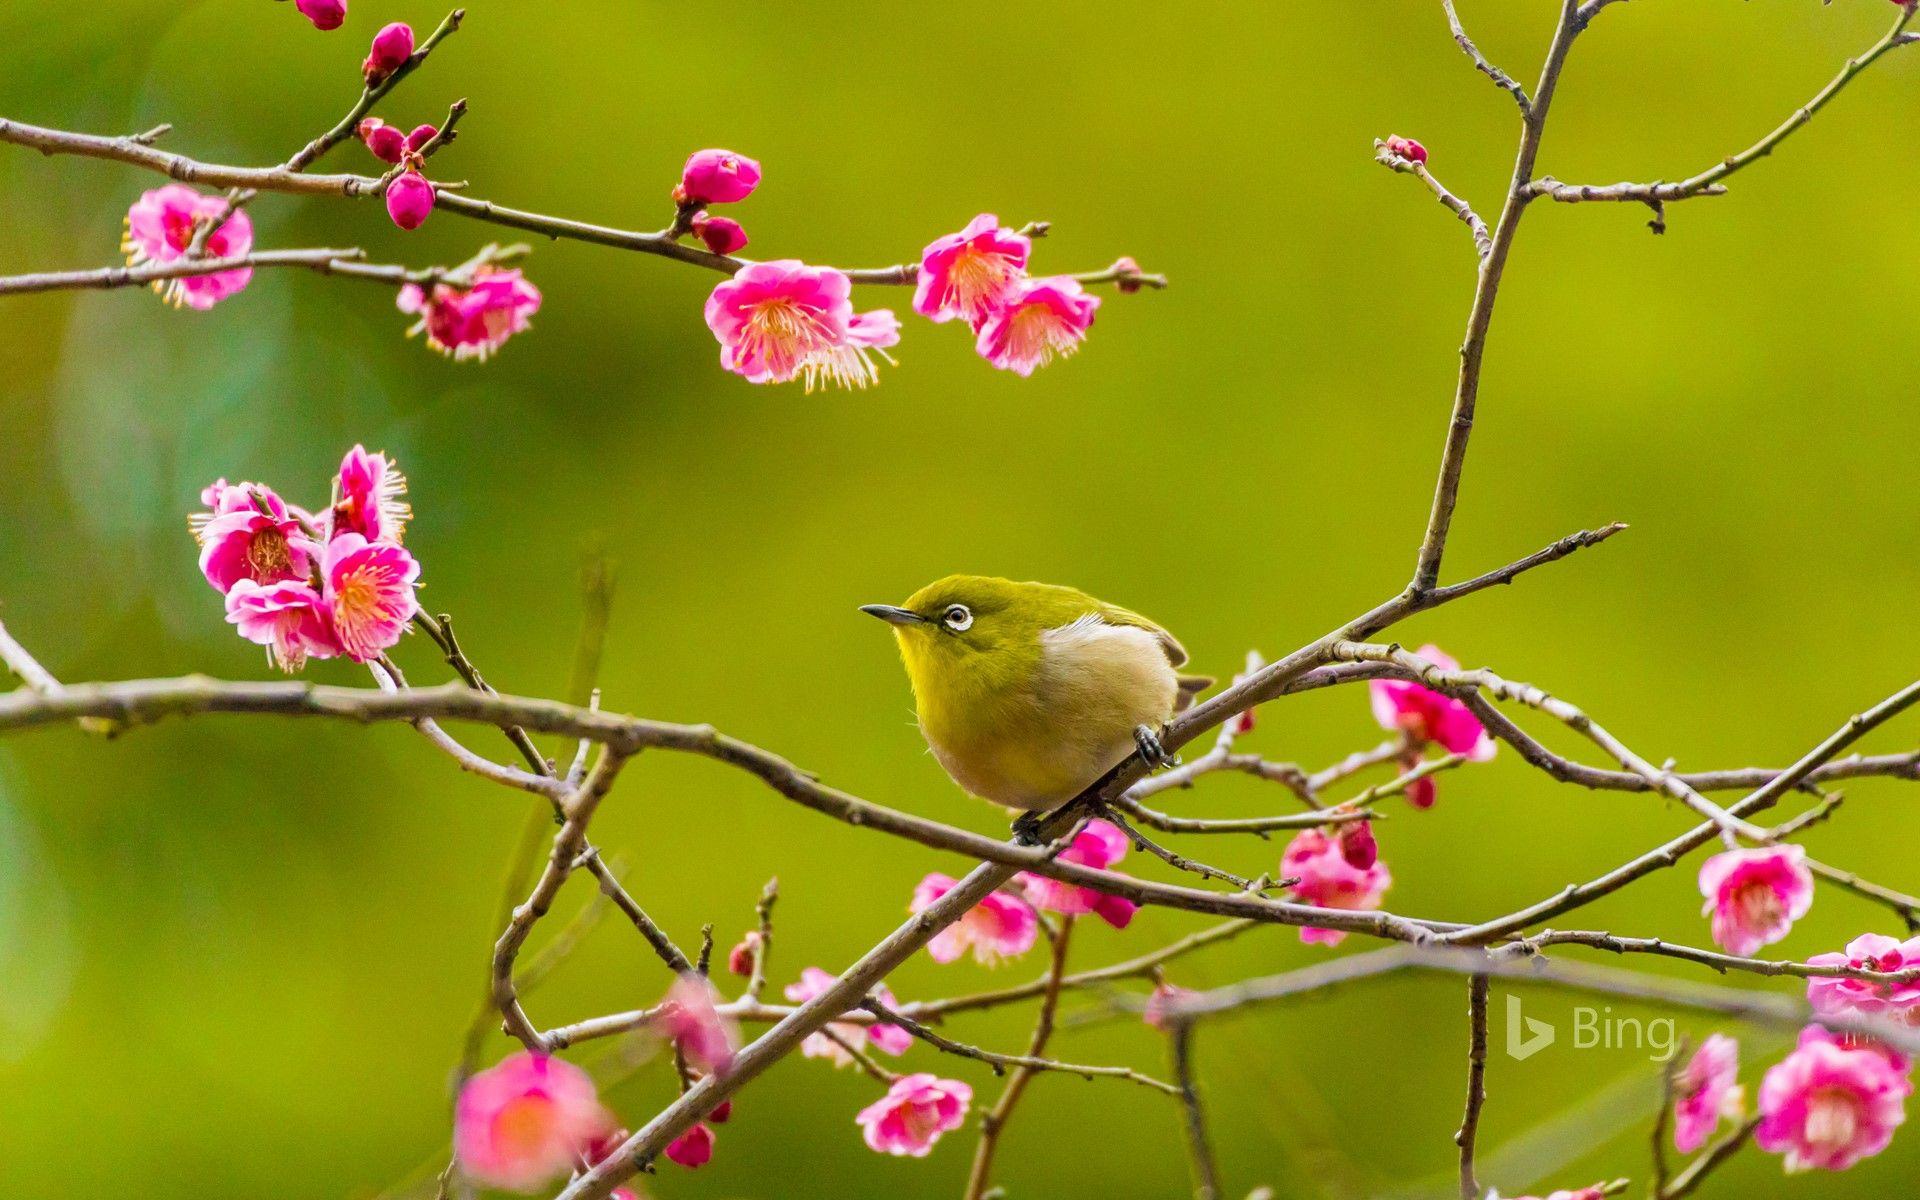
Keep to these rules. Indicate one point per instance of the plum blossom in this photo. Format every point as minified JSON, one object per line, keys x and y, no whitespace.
{"x":780,"y":320}
{"x":1037,"y":320}
{"x":369,"y":593}
{"x":1755,"y":896}
{"x":722,"y":235}
{"x":1099,"y":845}
{"x":160,"y":228}
{"x":1406,"y":148}
{"x":692,"y":1021}
{"x":890,"y":1038}
{"x":287,"y":617}
{"x":745,"y":952}
{"x":1329,"y":880}
{"x":385,"y":142}
{"x":1595,"y":1192}
{"x":997,"y":928}
{"x":325,"y":14}
{"x":472,"y":322}
{"x":409,"y":198}
{"x":367,"y":500}
{"x":692,"y":1149}
{"x":1869,"y":952}
{"x":1828,"y":1105}
{"x":1705,"y":1090}
{"x":969,"y":274}
{"x":913,"y":1114}
{"x":525,"y":1121}
{"x":391,"y":49}
{"x":1424,"y":715}
{"x":717,"y":177}
{"x":247,"y":543}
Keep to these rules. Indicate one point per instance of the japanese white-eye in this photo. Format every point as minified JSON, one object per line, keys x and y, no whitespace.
{"x":1029,"y":692}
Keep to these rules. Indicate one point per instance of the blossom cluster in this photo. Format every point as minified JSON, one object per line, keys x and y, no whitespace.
{"x":313,"y":585}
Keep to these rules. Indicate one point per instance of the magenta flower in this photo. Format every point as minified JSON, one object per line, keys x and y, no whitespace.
{"x":913,"y":1114}
{"x":250,"y":544}
{"x":325,"y":14}
{"x":1099,"y":845}
{"x":1036,"y":320}
{"x":1755,"y":896}
{"x":692,"y":1020}
{"x":369,"y":593}
{"x":1706,"y":1090}
{"x":722,"y":235}
{"x":385,"y":142}
{"x":1329,"y":880}
{"x":999,"y":927}
{"x":692,"y":1149}
{"x":891,"y":1038}
{"x":717,"y":177}
{"x":782,"y":320}
{"x":740,"y":959}
{"x":409,"y":198}
{"x":160,"y":228}
{"x":391,"y":49}
{"x":1424,"y":715}
{"x":1828,"y":1105}
{"x":367,"y":498}
{"x":1406,"y":148}
{"x":971,"y":273}
{"x":529,"y":1119}
{"x":1163,"y":996}
{"x":1869,"y":952}
{"x":472,"y":322}
{"x":287,"y":617}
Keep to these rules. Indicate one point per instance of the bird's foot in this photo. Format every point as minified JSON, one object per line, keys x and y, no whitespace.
{"x":1151,"y":751}
{"x":1026,"y":828}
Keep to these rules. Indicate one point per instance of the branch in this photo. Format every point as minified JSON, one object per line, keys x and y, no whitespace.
{"x":1482,"y":240}
{"x":999,"y":1062}
{"x":1200,"y":1158}
{"x":994,"y":1120}
{"x":1501,"y":79}
{"x":1476,"y":1081}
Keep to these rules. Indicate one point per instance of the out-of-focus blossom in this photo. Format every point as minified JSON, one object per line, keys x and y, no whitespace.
{"x":913,"y":1114}
{"x":692,"y":1021}
{"x":970,"y":273}
{"x":1595,"y":1192}
{"x":741,"y":958}
{"x":367,"y":500}
{"x":722,"y":1113}
{"x":997,"y":928}
{"x":369,"y":593}
{"x":1037,"y":320}
{"x":692,"y":1149}
{"x":722,"y":235}
{"x":1424,"y":715}
{"x":1706,"y":1090}
{"x":472,"y":322}
{"x":891,"y":1038}
{"x":520,"y":1124}
{"x":1869,"y":952}
{"x":1127,"y":275}
{"x":1406,"y":148}
{"x":1163,"y":996}
{"x":391,"y":49}
{"x":1755,"y":896}
{"x":1242,"y":722}
{"x":409,"y":200}
{"x":1328,"y":880}
{"x":161,"y":226}
{"x":1826,"y":1106}
{"x":1357,"y":844}
{"x":1099,"y":845}
{"x":780,"y":320}
{"x":288,"y":618}
{"x":717,"y":177}
{"x":325,"y":14}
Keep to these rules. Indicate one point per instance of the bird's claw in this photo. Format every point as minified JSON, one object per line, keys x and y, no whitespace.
{"x":1151,"y":751}
{"x":1026,"y":828}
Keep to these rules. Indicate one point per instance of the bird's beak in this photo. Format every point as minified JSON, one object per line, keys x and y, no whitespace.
{"x":892,"y":615}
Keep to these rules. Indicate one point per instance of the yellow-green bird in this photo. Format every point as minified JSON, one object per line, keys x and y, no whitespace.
{"x":1029,"y":692}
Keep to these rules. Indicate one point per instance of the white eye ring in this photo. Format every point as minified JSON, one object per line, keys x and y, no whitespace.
{"x":957,"y":618}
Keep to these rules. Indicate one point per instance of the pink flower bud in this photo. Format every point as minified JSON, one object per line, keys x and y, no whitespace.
{"x":409,"y":200}
{"x":718,"y":177}
{"x":692,"y":1149}
{"x":1357,"y":845}
{"x":1422,"y":792}
{"x":740,"y":958}
{"x":325,"y":14}
{"x":721,"y":1113}
{"x":1128,"y":284}
{"x":721,"y":234}
{"x":392,"y":47}
{"x":385,"y":142}
{"x":421,"y":135}
{"x":1406,"y":148}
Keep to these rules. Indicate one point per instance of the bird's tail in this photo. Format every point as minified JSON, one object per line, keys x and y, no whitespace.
{"x":1190,"y":687}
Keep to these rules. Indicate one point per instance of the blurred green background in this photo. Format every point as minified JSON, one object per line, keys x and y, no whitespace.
{"x":236,"y":956}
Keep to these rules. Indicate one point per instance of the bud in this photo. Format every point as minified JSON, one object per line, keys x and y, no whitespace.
{"x":392,"y":47}
{"x":721,"y":1113}
{"x":1422,"y":792}
{"x":385,"y":142}
{"x":601,"y":1148}
{"x":1164,"y":994}
{"x":1406,"y":148}
{"x":718,"y":177}
{"x":1357,"y":845}
{"x":325,"y":14}
{"x":721,"y":234}
{"x":1126,"y":280}
{"x":694,"y":1148}
{"x":409,"y":200}
{"x":1241,"y":722}
{"x":421,"y":135}
{"x":740,"y":958}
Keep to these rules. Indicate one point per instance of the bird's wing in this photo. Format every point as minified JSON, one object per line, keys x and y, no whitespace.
{"x":1115,"y":615}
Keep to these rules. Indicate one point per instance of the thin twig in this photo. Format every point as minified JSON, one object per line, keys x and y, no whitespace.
{"x":1476,"y":1084}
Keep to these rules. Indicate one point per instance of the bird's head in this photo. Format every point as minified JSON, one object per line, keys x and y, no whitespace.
{"x":966,"y":624}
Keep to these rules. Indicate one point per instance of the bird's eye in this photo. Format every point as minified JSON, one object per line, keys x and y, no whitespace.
{"x":957,"y":617}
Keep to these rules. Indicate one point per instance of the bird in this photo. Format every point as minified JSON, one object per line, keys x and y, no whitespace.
{"x":1029,"y":692}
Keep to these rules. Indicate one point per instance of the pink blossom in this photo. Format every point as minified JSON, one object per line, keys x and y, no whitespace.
{"x":891,"y":1038}
{"x":1164,"y":995}
{"x":998,"y":927}
{"x":722,"y":1113}
{"x":421,"y":135}
{"x":741,"y":958}
{"x":913,"y":1114}
{"x":1706,"y":1090}
{"x":970,"y":273}
{"x":369,"y":593}
{"x":717,"y":177}
{"x":722,"y":235}
{"x":1899,"y":1061}
{"x":250,"y":544}
{"x":691,"y":1020}
{"x":1826,"y":1106}
{"x":472,"y":322}
{"x":1422,"y":792}
{"x":692,"y":1149}
{"x":525,"y":1121}
{"x":367,"y":498}
{"x":325,"y":14}
{"x":1037,"y":320}
{"x":287,"y":617}
{"x":1127,"y":275}
{"x":160,"y":227}
{"x":1425,"y":715}
{"x":409,"y":199}
{"x":1099,"y":845}
{"x":1357,"y":844}
{"x":1755,"y":896}
{"x":1406,"y":148}
{"x":1869,"y":952}
{"x":391,"y":48}
{"x":385,"y":142}
{"x":779,"y":320}
{"x":1329,"y":880}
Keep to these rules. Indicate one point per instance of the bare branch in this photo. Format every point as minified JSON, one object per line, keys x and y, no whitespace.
{"x":1501,"y":79}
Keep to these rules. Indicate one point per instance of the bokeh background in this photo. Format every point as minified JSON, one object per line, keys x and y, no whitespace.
{"x":236,"y":956}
